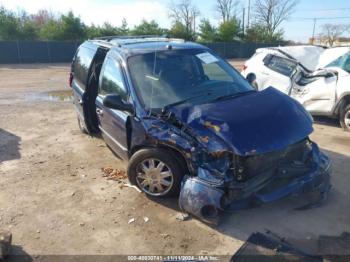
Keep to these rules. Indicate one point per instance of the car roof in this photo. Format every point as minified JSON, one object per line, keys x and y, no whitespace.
{"x":128,"y":46}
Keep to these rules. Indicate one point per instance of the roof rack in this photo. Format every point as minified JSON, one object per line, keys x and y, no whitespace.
{"x":125,"y":40}
{"x":112,"y":37}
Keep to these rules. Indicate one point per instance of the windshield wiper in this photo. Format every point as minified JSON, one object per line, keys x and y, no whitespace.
{"x":233,"y":95}
{"x":165,"y":108}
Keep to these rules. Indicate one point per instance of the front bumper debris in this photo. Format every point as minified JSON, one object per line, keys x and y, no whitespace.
{"x":205,"y":199}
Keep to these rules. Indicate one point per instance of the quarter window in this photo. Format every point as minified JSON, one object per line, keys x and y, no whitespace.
{"x":280,"y":65}
{"x":111,"y":80}
{"x":82,"y":64}
{"x":214,"y":72}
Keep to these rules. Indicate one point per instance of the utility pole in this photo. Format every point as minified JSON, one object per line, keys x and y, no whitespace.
{"x":248,"y":14}
{"x":313,"y":31}
{"x":243,"y":20}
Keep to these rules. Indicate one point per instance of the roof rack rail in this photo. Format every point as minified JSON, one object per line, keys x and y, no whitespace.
{"x":108,"y":38}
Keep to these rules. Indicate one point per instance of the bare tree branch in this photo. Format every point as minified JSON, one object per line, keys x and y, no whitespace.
{"x":226,"y":9}
{"x":184,"y":12}
{"x":271,"y":13}
{"x":331,"y":33}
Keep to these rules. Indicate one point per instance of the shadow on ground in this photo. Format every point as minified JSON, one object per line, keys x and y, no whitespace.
{"x":9,"y":146}
{"x":18,"y":255}
{"x":323,"y":120}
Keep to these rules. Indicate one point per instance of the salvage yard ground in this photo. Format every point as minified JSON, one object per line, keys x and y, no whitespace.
{"x":56,"y":200}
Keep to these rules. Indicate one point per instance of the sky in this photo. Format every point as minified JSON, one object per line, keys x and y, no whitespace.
{"x":298,"y":28}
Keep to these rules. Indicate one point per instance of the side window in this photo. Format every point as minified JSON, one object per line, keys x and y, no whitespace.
{"x":343,"y":62}
{"x":214,"y":72}
{"x":111,"y":79}
{"x":280,"y":65}
{"x":82,"y":64}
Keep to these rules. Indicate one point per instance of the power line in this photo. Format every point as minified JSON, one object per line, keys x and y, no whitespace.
{"x":321,"y":18}
{"x":325,"y":9}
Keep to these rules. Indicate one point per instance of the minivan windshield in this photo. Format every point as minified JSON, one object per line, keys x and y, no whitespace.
{"x":194,"y":76}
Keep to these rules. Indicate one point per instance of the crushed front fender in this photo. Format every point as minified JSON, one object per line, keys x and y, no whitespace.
{"x":205,"y":199}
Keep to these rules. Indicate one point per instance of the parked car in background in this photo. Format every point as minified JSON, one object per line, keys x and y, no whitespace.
{"x":188,"y":122}
{"x":318,"y":77}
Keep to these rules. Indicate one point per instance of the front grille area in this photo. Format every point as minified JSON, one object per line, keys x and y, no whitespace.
{"x":296,"y":155}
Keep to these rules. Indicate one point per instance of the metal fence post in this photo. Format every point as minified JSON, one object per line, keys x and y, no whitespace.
{"x":18,"y":52}
{"x":48,"y":51}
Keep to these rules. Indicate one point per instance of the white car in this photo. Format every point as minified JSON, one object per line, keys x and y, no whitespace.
{"x":318,"y":77}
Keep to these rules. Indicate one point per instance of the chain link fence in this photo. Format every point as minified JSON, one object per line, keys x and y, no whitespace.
{"x":15,"y":52}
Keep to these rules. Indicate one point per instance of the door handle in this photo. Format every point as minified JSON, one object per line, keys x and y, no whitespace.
{"x":99,"y":112}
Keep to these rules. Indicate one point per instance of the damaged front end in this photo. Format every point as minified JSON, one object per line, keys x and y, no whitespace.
{"x":237,"y":182}
{"x":239,"y":157}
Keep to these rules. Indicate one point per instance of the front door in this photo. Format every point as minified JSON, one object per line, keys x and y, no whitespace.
{"x":277,"y":73}
{"x":112,"y":122}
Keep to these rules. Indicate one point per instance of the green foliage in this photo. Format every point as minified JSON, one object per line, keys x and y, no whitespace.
{"x":51,"y":30}
{"x":258,"y":33}
{"x":9,"y":25}
{"x":179,"y":30}
{"x":207,"y":32}
{"x":229,"y":30}
{"x":124,"y":29}
{"x":45,"y":25}
{"x":148,"y":28}
{"x":29,"y":31}
{"x":71,"y":27}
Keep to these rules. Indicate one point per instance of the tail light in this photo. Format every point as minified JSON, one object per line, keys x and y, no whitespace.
{"x":70,"y":79}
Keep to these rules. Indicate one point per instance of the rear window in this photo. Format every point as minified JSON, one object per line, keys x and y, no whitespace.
{"x":280,"y":65}
{"x":82,"y":64}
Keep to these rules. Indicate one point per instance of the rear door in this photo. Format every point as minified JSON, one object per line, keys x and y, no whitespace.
{"x":277,"y":72}
{"x":112,"y":122}
{"x":81,"y":67}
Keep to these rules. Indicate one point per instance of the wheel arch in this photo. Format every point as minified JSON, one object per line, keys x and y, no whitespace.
{"x":343,"y":101}
{"x":175,"y":152}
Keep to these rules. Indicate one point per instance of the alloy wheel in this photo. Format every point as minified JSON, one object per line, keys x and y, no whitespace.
{"x":154,"y":177}
{"x":347,"y":119}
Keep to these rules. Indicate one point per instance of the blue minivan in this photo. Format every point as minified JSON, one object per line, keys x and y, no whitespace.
{"x":190,"y":125}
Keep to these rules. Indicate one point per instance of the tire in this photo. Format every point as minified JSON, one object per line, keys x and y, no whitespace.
{"x":82,"y":127}
{"x":163,"y":180}
{"x":345,"y":118}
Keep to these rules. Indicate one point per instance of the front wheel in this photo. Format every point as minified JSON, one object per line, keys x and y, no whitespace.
{"x":156,"y":172}
{"x":345,"y":118}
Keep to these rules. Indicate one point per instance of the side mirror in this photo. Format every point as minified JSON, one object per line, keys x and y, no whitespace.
{"x":116,"y":102}
{"x":251,"y":78}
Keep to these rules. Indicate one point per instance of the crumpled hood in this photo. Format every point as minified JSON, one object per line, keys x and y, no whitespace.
{"x":250,"y":124}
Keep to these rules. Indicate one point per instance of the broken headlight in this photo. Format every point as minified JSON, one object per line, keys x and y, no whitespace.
{"x":217,"y":165}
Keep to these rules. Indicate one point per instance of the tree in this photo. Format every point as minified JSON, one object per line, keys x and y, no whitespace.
{"x":229,"y":30}
{"x":185,"y":13}
{"x":226,"y":9}
{"x":72,"y":28}
{"x":124,"y":29}
{"x":9,"y":25}
{"x":331,"y":32}
{"x":107,"y":29}
{"x":258,"y":33}
{"x":29,"y":31}
{"x":148,"y":28}
{"x":207,"y":32}
{"x":271,"y":13}
{"x":51,"y":30}
{"x":179,"y":30}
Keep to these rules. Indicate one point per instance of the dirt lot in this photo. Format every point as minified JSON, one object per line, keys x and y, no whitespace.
{"x":55,"y":201}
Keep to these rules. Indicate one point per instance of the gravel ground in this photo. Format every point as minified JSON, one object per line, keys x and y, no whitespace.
{"x":55,"y":200}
